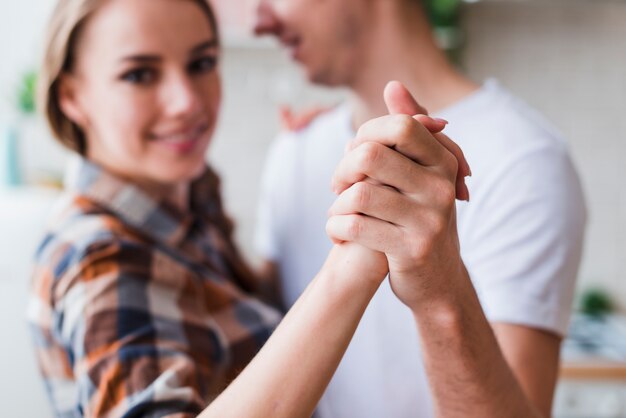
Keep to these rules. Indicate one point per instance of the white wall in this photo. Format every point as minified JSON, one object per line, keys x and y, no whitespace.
{"x":21,"y":31}
{"x":21,"y":391}
{"x":21,"y":23}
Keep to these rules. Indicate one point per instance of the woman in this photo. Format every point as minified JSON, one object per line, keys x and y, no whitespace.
{"x":141,"y":303}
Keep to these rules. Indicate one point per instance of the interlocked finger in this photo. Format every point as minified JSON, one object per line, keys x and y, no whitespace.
{"x":382,"y":164}
{"x":374,"y":200}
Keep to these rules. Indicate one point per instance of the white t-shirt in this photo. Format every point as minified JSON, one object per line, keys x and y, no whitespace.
{"x":521,"y":238}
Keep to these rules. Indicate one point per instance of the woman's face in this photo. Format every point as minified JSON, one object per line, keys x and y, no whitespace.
{"x":145,"y":88}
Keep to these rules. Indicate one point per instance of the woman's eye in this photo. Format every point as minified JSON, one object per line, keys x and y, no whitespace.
{"x":203,"y":65}
{"x":140,"y":76}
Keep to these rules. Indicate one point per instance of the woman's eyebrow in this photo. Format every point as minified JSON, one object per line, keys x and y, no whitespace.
{"x":151,"y":58}
{"x":211,"y":43}
{"x":144,"y":58}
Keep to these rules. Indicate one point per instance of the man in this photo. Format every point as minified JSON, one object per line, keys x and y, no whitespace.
{"x":520,"y":236}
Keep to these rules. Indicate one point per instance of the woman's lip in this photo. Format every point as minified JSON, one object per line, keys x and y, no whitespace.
{"x":182,"y":141}
{"x":181,"y":135}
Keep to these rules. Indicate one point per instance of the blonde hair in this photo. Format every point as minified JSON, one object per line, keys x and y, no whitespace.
{"x":64,"y":27}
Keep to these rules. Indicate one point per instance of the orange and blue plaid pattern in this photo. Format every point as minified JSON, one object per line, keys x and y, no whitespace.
{"x":137,"y":309}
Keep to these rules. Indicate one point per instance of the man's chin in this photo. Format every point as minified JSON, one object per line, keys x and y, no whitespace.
{"x":324,"y":78}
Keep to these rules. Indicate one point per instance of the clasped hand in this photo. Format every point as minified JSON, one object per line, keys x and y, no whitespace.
{"x":397,"y":185}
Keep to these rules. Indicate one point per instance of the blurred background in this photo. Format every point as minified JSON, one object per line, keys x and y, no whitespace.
{"x":565,"y":57}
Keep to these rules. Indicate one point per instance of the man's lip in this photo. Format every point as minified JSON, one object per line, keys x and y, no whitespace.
{"x":290,"y":41}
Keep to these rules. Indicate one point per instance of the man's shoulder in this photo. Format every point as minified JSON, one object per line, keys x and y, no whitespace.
{"x":501,"y":117}
{"x":495,"y":127}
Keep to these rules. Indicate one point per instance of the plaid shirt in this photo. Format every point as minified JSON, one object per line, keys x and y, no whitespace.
{"x":138,"y":310}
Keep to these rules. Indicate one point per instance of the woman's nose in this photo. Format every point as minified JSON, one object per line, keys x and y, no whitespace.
{"x":181,"y":98}
{"x":266,"y":22}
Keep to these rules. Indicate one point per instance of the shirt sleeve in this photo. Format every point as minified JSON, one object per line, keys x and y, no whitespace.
{"x":525,"y":244}
{"x":137,"y":347}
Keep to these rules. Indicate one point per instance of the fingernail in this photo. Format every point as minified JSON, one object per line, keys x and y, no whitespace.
{"x":445,"y":122}
{"x":469,"y":170}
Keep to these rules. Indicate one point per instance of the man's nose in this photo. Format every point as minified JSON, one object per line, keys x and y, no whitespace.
{"x":265,"y":22}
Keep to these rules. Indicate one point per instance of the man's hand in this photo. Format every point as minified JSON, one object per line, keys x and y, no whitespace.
{"x":397,"y":186}
{"x":400,"y":102}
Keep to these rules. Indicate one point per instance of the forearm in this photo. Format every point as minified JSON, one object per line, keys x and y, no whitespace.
{"x":289,"y":375}
{"x":467,"y":372}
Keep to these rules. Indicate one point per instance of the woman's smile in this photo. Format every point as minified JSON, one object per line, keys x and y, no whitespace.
{"x":182,"y":141}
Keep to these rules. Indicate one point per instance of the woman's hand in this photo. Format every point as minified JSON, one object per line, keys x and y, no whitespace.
{"x":295,"y":121}
{"x":397,"y":187}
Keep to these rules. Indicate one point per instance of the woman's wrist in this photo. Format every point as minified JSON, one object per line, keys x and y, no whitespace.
{"x":355,"y":267}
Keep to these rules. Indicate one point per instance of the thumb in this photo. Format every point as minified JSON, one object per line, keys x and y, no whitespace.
{"x":399,"y":100}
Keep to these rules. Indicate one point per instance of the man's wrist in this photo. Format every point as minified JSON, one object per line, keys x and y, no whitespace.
{"x":445,"y":295}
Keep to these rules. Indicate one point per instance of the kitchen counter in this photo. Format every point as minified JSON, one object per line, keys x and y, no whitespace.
{"x":598,"y":369}
{"x":592,"y":378}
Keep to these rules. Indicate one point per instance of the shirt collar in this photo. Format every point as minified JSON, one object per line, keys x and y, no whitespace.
{"x":133,"y":205}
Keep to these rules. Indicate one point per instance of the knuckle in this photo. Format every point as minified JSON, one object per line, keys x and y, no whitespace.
{"x":364,"y":128}
{"x":437,"y":225}
{"x":444,"y":193}
{"x":404,"y":126}
{"x":354,"y":227}
{"x":419,"y":251}
{"x":329,"y":228}
{"x":369,"y":153}
{"x":448,"y":194}
{"x":451,"y":163}
{"x":361,"y":195}
{"x":423,"y":245}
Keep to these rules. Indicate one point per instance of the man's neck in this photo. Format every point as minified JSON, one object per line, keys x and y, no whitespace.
{"x":407,"y":53}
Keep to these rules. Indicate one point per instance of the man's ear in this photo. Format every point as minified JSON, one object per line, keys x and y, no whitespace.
{"x":69,"y":101}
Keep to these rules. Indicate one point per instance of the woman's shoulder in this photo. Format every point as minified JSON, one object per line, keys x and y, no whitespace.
{"x":81,"y":239}
{"x":79,"y":221}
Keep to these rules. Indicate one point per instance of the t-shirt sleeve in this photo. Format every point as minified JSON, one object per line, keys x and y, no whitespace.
{"x":267,"y":230}
{"x":525,"y":244}
{"x":131,"y":350}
